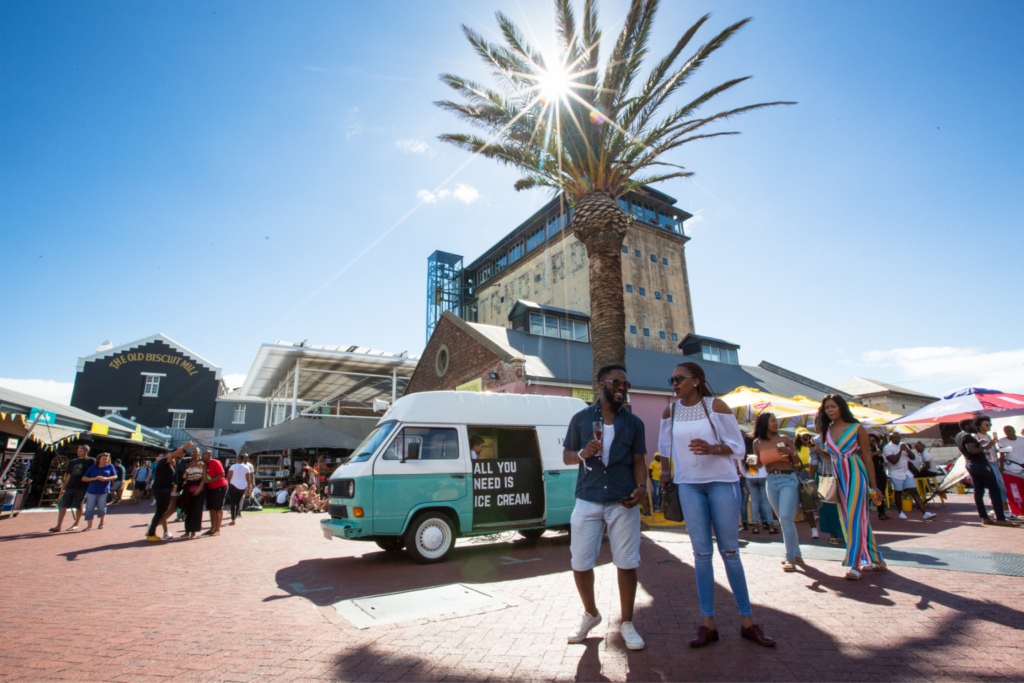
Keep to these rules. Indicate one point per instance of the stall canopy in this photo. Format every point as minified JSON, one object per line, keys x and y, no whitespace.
{"x":59,"y":421}
{"x":339,"y":432}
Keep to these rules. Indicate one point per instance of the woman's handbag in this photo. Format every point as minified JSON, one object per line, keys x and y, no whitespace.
{"x":670,"y":492}
{"x":670,"y":498}
{"x":828,"y":490}
{"x":808,"y":495}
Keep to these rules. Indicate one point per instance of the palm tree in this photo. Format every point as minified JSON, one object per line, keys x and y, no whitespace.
{"x":591,"y":134}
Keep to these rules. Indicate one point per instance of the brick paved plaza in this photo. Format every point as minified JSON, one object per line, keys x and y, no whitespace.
{"x":255,"y":604}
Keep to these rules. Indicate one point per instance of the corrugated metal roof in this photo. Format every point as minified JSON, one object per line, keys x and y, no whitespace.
{"x":563,"y":361}
{"x":108,"y":351}
{"x":861,"y":386}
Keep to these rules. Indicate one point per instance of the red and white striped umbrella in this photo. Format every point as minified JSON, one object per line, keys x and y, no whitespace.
{"x":966,"y":403}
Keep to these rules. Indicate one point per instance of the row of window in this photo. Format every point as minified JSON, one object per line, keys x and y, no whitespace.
{"x":647,"y":333}
{"x":559,"y":328}
{"x":643,"y":292}
{"x":719,"y":354}
{"x":636,"y":252}
{"x":552,"y":225}
{"x":648,"y":214}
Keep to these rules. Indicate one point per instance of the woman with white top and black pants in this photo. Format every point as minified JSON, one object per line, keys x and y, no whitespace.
{"x":701,"y":435}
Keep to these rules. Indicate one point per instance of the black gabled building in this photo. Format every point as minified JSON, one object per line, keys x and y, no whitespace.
{"x":154,"y":381}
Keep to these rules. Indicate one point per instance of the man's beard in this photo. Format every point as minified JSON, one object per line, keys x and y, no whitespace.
{"x":609,"y":397}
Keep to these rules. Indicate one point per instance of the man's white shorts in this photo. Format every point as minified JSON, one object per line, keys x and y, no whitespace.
{"x":588,"y":524}
{"x":906,"y":484}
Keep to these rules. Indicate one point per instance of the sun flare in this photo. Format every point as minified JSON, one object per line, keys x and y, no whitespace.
{"x":553,"y":85}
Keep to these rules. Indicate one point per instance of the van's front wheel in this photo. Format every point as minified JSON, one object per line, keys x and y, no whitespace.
{"x":430,"y":538}
{"x":531,"y":534}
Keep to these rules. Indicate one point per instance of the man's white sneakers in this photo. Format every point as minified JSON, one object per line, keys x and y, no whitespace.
{"x":587,"y":622}
{"x":902,"y":515}
{"x":929,"y":515}
{"x":632,"y":638}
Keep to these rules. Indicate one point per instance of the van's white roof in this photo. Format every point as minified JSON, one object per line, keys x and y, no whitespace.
{"x":467,"y":407}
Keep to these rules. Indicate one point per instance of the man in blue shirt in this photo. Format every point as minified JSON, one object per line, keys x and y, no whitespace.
{"x":610,"y":484}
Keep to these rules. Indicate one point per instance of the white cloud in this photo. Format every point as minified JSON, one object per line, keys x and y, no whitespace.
{"x":691,"y":223}
{"x":234,"y":381}
{"x":353,"y":129}
{"x":940,"y":370}
{"x":464,"y":193}
{"x":414,"y":147}
{"x":58,"y":392}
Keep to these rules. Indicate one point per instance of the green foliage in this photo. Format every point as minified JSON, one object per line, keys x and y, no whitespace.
{"x":611,"y":130}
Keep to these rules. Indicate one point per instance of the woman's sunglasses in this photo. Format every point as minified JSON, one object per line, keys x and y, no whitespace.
{"x":678,"y":379}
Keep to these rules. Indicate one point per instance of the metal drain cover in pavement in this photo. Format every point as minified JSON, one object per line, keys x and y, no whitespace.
{"x":429,"y":602}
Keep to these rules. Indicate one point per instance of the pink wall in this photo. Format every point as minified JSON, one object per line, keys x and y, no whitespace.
{"x":648,"y":407}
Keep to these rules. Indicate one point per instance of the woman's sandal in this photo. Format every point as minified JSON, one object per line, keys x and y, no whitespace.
{"x":883,"y":516}
{"x":853,"y":575}
{"x":874,"y":567}
{"x":756,"y":530}
{"x":788,"y":567}
{"x":773,"y":530}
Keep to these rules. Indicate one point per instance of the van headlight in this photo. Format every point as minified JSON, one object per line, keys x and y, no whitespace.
{"x":343,"y":488}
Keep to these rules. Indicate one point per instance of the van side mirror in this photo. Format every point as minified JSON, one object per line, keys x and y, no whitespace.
{"x":412,"y":451}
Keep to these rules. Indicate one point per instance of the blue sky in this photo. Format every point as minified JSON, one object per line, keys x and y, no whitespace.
{"x":237,"y":173}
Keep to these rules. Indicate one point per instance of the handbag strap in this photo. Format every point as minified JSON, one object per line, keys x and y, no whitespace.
{"x":672,"y":443}
{"x":710,"y":421}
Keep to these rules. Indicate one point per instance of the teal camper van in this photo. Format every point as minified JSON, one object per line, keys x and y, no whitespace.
{"x":445,"y":464}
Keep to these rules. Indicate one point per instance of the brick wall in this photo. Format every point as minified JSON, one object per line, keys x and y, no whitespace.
{"x":468,"y":359}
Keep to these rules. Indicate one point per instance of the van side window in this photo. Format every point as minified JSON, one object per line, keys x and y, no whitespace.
{"x":431,"y":444}
{"x":504,"y":442}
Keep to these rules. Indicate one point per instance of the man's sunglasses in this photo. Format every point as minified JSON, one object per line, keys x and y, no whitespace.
{"x":678,"y":379}
{"x":618,"y":383}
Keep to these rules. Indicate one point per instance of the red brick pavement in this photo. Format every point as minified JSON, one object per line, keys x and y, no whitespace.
{"x":106,"y":606}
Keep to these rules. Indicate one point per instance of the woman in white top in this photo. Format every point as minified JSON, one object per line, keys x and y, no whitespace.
{"x":701,"y":436}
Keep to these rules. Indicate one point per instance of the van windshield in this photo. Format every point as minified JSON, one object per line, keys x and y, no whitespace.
{"x":372,"y":442}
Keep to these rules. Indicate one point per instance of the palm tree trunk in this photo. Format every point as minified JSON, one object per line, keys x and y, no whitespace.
{"x":600,"y":225}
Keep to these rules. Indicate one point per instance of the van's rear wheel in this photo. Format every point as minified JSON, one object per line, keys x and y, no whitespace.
{"x":430,"y":538}
{"x":531,"y":534}
{"x":392,"y":545}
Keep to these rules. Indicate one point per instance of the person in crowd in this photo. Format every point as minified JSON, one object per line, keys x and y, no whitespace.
{"x":990,"y":442}
{"x":178,"y":495}
{"x":311,"y":479}
{"x":298,"y":498}
{"x":881,"y":477}
{"x":982,"y":476}
{"x":314,"y":503}
{"x":140,"y":476}
{"x":98,"y":478}
{"x":778,"y":454}
{"x":655,"y":482}
{"x":118,"y":485}
{"x":1013,"y":458}
{"x":757,"y":485}
{"x":163,"y":487}
{"x":216,"y":490}
{"x":239,"y":485}
{"x":704,"y":441}
{"x":611,"y":482}
{"x":194,"y":494}
{"x":476,"y":447}
{"x":829,"y":521}
{"x":849,"y":449}
{"x":283,"y":495}
{"x":897,"y":456}
{"x":149,"y":484}
{"x":75,"y":490}
{"x":808,"y":501}
{"x":927,"y":466}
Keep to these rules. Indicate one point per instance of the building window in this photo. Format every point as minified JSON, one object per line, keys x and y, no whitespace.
{"x":152,"y":386}
{"x":536,"y":278}
{"x":643,"y":292}
{"x":718,"y":354}
{"x":535,"y":240}
{"x":485,"y":273}
{"x":638,"y":211}
{"x":637,"y":253}
{"x":650,"y":215}
{"x":675,"y":337}
{"x":178,"y":420}
{"x":654,"y":259}
{"x":647,"y":332}
{"x":555,"y":224}
{"x":559,"y":328}
{"x":657,"y":295}
{"x":239,"y":417}
{"x":623,"y":204}
{"x":516,"y":252}
{"x":108,"y":412}
{"x":664,"y":261}
{"x":625,"y":249}
{"x":661,"y":334}
{"x":670,"y":298}
{"x":499,"y":264}
{"x":629,"y":289}
{"x":632,"y":329}
{"x":668,"y":222}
